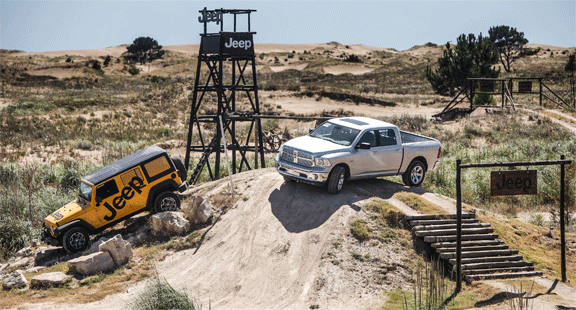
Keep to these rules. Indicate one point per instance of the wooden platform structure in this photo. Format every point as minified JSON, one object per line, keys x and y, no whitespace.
{"x":484,"y":256}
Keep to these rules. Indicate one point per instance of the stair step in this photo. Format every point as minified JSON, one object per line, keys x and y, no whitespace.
{"x":490,"y":259}
{"x":438,"y":216}
{"x":449,"y":226}
{"x":470,"y":272}
{"x":470,"y":243}
{"x":431,"y":239}
{"x":472,"y":248}
{"x":452,"y":232}
{"x":441,"y":222}
{"x":503,"y":275}
{"x":480,"y":254}
{"x":490,"y":265}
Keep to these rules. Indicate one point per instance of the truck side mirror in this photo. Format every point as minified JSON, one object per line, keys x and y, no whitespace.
{"x":98,"y":199}
{"x":363,"y":146}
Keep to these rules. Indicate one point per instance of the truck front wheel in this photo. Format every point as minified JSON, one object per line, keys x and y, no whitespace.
{"x":75,"y":240}
{"x":415,"y":174}
{"x":336,"y":180}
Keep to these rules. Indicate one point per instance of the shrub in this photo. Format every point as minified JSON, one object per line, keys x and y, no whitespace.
{"x":353,"y":58}
{"x":68,"y":59}
{"x":133,"y":70}
{"x":160,"y":295}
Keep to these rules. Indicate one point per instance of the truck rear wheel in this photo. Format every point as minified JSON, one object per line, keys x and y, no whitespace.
{"x":414,"y":176}
{"x":75,"y":240}
{"x":336,"y":180}
{"x":166,"y":201}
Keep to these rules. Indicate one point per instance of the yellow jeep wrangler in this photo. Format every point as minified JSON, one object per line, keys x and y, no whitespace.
{"x":144,"y":181}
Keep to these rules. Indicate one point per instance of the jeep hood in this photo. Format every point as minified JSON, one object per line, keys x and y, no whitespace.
{"x":65,"y":214}
{"x":314,"y":145}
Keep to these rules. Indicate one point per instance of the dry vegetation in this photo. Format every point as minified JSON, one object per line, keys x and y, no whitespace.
{"x":61,"y":119}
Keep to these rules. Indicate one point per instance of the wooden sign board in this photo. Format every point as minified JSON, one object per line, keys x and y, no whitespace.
{"x":514,"y":182}
{"x":525,"y":86}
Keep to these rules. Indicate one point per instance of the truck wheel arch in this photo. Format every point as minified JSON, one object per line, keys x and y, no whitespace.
{"x":157,"y":189}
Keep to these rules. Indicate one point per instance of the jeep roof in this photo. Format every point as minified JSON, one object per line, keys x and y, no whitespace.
{"x":123,"y":164}
{"x":360,"y":123}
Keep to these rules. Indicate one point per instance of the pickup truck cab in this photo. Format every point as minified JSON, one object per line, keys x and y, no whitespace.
{"x":354,"y":148}
{"x":145,"y":180}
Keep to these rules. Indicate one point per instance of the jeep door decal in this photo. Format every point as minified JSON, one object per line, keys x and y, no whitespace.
{"x":127,"y":193}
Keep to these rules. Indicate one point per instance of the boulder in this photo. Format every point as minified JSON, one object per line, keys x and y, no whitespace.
{"x":19,"y":263}
{"x":95,"y":246}
{"x":15,"y":279}
{"x":91,"y":263}
{"x":169,"y":223}
{"x":190,"y":209}
{"x":44,"y":254}
{"x":204,"y":212}
{"x":25,"y":252}
{"x":49,"y":279}
{"x":2,"y":267}
{"x":119,"y":249}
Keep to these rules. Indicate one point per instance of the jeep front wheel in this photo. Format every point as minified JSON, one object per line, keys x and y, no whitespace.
{"x":336,"y":180}
{"x":166,"y":201}
{"x":75,"y":240}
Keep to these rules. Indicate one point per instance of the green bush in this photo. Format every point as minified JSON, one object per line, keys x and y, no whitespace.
{"x":133,"y":70}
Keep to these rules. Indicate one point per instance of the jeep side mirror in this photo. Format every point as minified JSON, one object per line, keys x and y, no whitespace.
{"x":310,"y":130}
{"x":363,"y":146}
{"x":98,"y":199}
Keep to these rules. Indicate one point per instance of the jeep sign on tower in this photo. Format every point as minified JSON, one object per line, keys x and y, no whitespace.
{"x":234,"y":43}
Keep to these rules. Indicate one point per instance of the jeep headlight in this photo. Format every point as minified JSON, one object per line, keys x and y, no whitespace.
{"x":321,"y":162}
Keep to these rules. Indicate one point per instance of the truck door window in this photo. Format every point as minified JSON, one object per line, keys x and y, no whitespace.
{"x":368,"y":137}
{"x":127,"y":177}
{"x":107,"y":189}
{"x":387,"y":137}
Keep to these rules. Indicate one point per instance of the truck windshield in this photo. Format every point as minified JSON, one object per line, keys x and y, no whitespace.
{"x":86,"y":191}
{"x":335,"y":133}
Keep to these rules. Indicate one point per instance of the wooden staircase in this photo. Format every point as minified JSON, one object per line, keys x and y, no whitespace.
{"x":484,"y":256}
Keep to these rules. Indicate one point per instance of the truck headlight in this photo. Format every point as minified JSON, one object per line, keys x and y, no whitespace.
{"x":321,"y":162}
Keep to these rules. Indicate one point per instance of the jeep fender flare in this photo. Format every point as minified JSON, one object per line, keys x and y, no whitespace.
{"x":168,"y":185}
{"x":59,"y":231}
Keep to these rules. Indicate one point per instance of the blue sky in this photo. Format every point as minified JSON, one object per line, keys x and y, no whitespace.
{"x":36,"y":26}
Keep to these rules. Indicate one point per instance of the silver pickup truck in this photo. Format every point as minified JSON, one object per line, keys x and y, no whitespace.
{"x":354,"y":148}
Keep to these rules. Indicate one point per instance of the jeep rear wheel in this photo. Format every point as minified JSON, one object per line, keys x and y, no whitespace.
{"x":75,"y":240}
{"x":336,"y":180}
{"x":166,"y":201}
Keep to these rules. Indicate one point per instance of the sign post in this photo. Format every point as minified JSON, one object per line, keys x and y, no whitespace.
{"x":513,"y":182}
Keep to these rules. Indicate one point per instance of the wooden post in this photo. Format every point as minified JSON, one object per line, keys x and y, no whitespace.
{"x":540,"y":82}
{"x":458,"y":228}
{"x":562,"y":222}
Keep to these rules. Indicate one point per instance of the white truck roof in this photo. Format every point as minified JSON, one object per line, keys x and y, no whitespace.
{"x":360,"y":123}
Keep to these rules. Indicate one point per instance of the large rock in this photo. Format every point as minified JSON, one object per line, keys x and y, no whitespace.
{"x":49,"y":279}
{"x":25,"y":252}
{"x":204,"y":212}
{"x":19,"y":263}
{"x":92,"y":263}
{"x":45,"y":254}
{"x":119,"y":249}
{"x":169,"y":223}
{"x":16,"y":279}
{"x":190,"y":208}
{"x":95,"y":246}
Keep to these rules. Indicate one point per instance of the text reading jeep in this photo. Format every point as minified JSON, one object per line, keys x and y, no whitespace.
{"x":145,"y":180}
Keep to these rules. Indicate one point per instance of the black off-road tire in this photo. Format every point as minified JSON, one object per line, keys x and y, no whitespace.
{"x":336,"y":180}
{"x":415,"y":174}
{"x":76,"y":239}
{"x":166,"y":201}
{"x":180,"y":167}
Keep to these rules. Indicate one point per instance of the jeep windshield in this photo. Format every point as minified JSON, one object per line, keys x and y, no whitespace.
{"x":85,"y":191}
{"x":335,"y":133}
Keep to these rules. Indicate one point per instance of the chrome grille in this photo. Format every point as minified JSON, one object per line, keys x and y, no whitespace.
{"x":297,"y":157}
